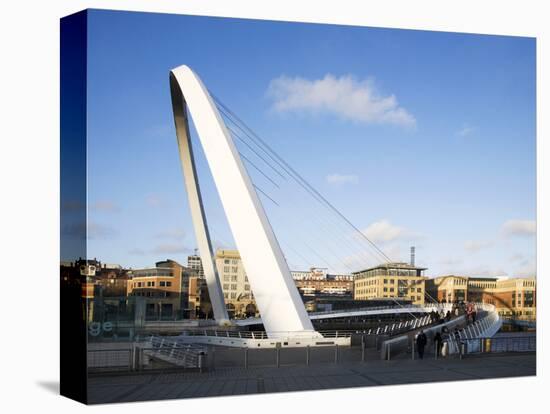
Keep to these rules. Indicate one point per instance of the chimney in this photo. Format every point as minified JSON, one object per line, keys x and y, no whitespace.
{"x":412,"y":255}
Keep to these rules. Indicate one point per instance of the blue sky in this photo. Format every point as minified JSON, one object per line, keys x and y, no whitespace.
{"x":419,"y":138}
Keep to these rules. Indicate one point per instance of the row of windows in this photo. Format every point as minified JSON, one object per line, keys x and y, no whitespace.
{"x":232,"y":269}
{"x":152,"y":294}
{"x":226,"y":278}
{"x":370,"y":282}
{"x":234,"y":286}
{"x":232,"y":261}
{"x":371,"y":292}
{"x":162,"y":283}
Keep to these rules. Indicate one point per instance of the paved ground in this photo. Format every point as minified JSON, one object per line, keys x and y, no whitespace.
{"x":235,"y":381}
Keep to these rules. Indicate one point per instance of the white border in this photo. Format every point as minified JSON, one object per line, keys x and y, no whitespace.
{"x":29,"y":159}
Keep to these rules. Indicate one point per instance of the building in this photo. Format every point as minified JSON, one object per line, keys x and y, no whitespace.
{"x":449,"y":288}
{"x":80,"y":276}
{"x":318,"y":282}
{"x":113,"y":280}
{"x":199,"y":299}
{"x":165,"y":289}
{"x":513,"y":297}
{"x":390,"y":280}
{"x":194,"y":262}
{"x":235,"y":286}
{"x":314,"y":273}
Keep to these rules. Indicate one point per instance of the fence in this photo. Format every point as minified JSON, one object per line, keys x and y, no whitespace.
{"x":156,"y":353}
{"x":470,"y":339}
{"x":159,"y":355}
{"x":110,"y":359}
{"x":523,"y":343}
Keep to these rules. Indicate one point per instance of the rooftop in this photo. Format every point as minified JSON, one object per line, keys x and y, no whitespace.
{"x":392,"y":265}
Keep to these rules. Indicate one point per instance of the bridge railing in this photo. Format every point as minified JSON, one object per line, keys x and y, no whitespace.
{"x":389,"y":329}
{"x":412,"y":307}
{"x":262,"y":334}
{"x":519,"y":343}
{"x":487,"y":325}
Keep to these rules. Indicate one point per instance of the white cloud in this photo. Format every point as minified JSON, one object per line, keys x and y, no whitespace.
{"x":91,"y":230}
{"x":451,"y":261}
{"x":484,"y":271}
{"x":473,"y":270}
{"x":384,"y":231}
{"x":160,"y":131}
{"x":517,"y":257}
{"x":519,"y":228}
{"x":100,"y":231}
{"x":342,"y":178}
{"x":474,"y":246}
{"x":154,"y":200}
{"x":345,"y":97}
{"x":175,"y":234}
{"x":170,"y":249}
{"x":528,"y":268}
{"x":136,"y":251}
{"x":465,"y":130}
{"x":360,"y":261}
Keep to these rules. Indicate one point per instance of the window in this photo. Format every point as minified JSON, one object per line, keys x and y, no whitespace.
{"x":234,"y":278}
{"x":226,"y":261}
{"x":234,"y":286}
{"x":168,"y":283}
{"x":226,"y":286}
{"x":226,"y":269}
{"x":246,"y":287}
{"x":162,"y":283}
{"x":226,"y":278}
{"x":234,"y":269}
{"x":233,"y":295}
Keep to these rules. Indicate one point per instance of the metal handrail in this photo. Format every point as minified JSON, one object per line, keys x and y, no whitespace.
{"x":374,"y":308}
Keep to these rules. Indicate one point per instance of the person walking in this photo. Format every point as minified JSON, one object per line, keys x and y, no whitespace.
{"x":421,"y":340}
{"x":457,"y":335}
{"x":438,"y":344}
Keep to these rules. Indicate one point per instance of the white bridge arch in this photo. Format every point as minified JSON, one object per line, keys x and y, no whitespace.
{"x":276,"y":296}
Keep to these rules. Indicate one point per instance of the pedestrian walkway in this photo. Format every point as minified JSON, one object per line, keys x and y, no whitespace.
{"x":238,"y":381}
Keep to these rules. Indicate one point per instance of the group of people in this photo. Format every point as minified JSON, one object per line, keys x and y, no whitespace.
{"x":439,"y":339}
{"x":442,"y":336}
{"x":441,"y":317}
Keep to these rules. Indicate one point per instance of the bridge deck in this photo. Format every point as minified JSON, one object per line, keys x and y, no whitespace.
{"x":237,"y":381}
